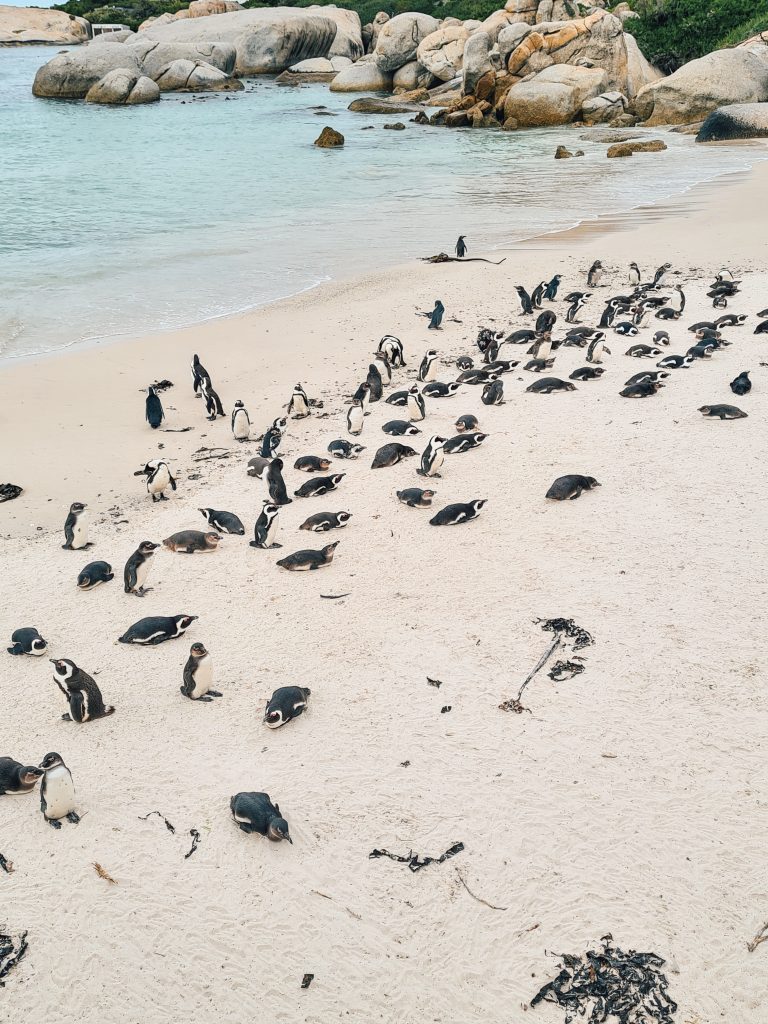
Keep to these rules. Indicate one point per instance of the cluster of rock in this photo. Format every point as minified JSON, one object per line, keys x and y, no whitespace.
{"x":27,"y":26}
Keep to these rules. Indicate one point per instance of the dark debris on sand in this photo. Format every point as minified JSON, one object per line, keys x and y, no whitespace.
{"x":414,"y":862}
{"x":11,"y":951}
{"x":567,"y":627}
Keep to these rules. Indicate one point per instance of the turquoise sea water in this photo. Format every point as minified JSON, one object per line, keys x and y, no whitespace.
{"x":116,"y":221}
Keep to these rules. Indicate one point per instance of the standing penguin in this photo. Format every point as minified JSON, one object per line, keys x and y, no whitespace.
{"x":298,"y":407}
{"x":375,"y":384}
{"x":432,"y":457}
{"x":159,"y":478}
{"x":355,"y":417}
{"x":461,"y":248}
{"x":255,"y":812}
{"x":154,"y":411}
{"x":363,"y":395}
{"x":270,"y":443}
{"x":597,"y":349}
{"x":198,"y":675}
{"x":634,"y":275}
{"x":595,"y":274}
{"x":137,"y":568}
{"x":383,"y":366}
{"x":76,"y":528}
{"x":525,"y":300}
{"x":199,"y":374}
{"x":436,"y":316}
{"x":575,"y":306}
{"x":266,"y":527}
{"x":428,"y":366}
{"x":550,"y":292}
{"x":57,"y":791}
{"x":241,"y":424}
{"x":276,"y":484}
{"x":417,"y":408}
{"x":83,"y":695}
{"x":493,"y":393}
{"x":213,"y":404}
{"x":392,"y":348}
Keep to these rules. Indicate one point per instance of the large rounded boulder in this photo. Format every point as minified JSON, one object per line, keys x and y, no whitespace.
{"x":69,"y":76}
{"x":195,"y":76}
{"x":553,"y":97}
{"x":155,"y":55}
{"x":349,"y":31}
{"x":442,"y":52}
{"x":123,"y":88}
{"x":399,"y":39}
{"x":736,"y":121}
{"x":365,"y":76}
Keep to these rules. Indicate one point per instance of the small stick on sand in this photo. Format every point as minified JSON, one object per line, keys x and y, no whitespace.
{"x":762,"y":936}
{"x":443,"y":257}
{"x":334,"y":597}
{"x":103,"y":874}
{"x":327,"y":897}
{"x":478,"y":898}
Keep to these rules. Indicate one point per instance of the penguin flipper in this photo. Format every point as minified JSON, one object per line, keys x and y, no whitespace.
{"x":16,"y":649}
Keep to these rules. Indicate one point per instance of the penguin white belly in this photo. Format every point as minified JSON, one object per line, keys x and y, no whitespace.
{"x":59,"y":793}
{"x":355,"y":419}
{"x":437,"y":462}
{"x":203,"y":677}
{"x":159,"y":481}
{"x":414,"y":412}
{"x":300,"y":407}
{"x":431,"y":371}
{"x":241,"y":426}
{"x":142,"y":572}
{"x":272,"y":530}
{"x":80,"y":531}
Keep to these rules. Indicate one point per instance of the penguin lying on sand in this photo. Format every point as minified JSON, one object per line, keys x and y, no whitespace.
{"x":156,"y":629}
{"x":286,"y":702}
{"x":227,"y":522}
{"x":570,"y":487}
{"x":301,"y":561}
{"x":27,"y":640}
{"x":451,"y":515}
{"x":16,"y":778}
{"x":255,"y":812}
{"x":94,"y":574}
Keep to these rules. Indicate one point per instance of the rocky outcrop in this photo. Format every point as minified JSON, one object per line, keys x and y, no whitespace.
{"x":197,"y":9}
{"x":736,"y":121}
{"x":365,"y":76}
{"x":195,"y":76}
{"x":123,"y":88}
{"x":329,"y":138}
{"x":639,"y":71}
{"x":411,"y":76}
{"x":375,"y":105}
{"x":69,"y":76}
{"x":349,"y":32}
{"x":155,"y":55}
{"x":555,"y":96}
{"x":701,"y":86}
{"x":30,"y":25}
{"x":604,"y":108}
{"x":442,"y":52}
{"x":266,"y":40}
{"x":399,"y":40}
{"x":630,"y":148}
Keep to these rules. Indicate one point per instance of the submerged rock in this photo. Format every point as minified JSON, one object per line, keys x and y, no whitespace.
{"x":398,"y":126}
{"x":561,"y":153}
{"x":329,"y":138}
{"x":736,"y":121}
{"x":374,"y":105}
{"x":628,"y":148}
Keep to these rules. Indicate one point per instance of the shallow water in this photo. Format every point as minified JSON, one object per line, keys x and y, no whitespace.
{"x":119,"y":221}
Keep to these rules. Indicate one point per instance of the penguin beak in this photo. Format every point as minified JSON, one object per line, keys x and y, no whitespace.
{"x":289,"y":839}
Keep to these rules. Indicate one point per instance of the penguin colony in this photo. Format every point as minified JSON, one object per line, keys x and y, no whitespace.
{"x":627,"y":314}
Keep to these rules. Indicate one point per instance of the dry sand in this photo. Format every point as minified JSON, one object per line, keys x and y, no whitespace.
{"x":629,"y":800}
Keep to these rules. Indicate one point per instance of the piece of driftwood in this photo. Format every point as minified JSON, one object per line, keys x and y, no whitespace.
{"x":443,"y":257}
{"x":474,"y":896}
{"x":762,"y":936}
{"x":335,"y":597}
{"x":103,"y":874}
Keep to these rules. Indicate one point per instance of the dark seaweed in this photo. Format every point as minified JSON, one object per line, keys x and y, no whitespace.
{"x":168,"y":825}
{"x":416,"y":863}
{"x":195,"y":840}
{"x":581,"y":638}
{"x":307,"y":980}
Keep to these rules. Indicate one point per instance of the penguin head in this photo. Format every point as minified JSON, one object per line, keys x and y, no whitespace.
{"x":270,"y":509}
{"x":147,"y":547}
{"x":77,"y":507}
{"x":39,"y":645}
{"x":197,"y":650}
{"x":63,"y":668}
{"x":30,"y":774}
{"x":343,"y":517}
{"x":239,"y":405}
{"x":590,"y":482}
{"x":413,"y":390}
{"x":431,"y":354}
{"x":337,"y":478}
{"x":278,"y":830}
{"x":273,"y":718}
{"x":212,"y":538}
{"x":478,"y":503}
{"x":52,"y":760}
{"x":357,"y":448}
{"x":185,"y":621}
{"x":280,"y":424}
{"x":329,"y":549}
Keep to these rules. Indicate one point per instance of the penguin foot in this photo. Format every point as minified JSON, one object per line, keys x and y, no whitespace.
{"x":66,"y":718}
{"x":275,"y":545}
{"x":53,"y":823}
{"x":205,"y":698}
{"x":142,"y":591}
{"x":74,"y":817}
{"x":215,"y":693}
{"x":67,"y":547}
{"x":164,"y":497}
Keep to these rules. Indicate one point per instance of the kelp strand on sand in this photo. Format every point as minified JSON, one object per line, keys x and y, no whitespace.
{"x":562,"y":628}
{"x":414,"y":862}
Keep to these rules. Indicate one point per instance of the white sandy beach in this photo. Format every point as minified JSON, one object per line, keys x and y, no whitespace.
{"x":629,"y":800}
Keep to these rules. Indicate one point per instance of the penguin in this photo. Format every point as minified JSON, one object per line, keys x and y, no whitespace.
{"x":312,"y":464}
{"x":154,"y":409}
{"x":723,"y":412}
{"x":27,"y":640}
{"x":464,"y":363}
{"x":213,"y":405}
{"x":302,"y":561}
{"x":608,"y":315}
{"x":493,"y":393}
{"x":363,"y":395}
{"x":762,"y":327}
{"x":137,"y":568}
{"x":661,"y":338}
{"x":199,"y":374}
{"x":82,"y":692}
{"x":634,"y":275}
{"x":703,"y":350}
{"x":266,"y":527}
{"x":280,"y":424}
{"x":159,"y":478}
{"x":187,"y":542}
{"x":255,"y":812}
{"x":763,"y":312}
{"x":541,"y":348}
{"x":322,"y":522}
{"x":502,"y":366}
{"x":343,"y":449}
{"x":276,"y":485}
{"x":461,"y":248}
{"x":57,"y":791}
{"x":415,"y":497}
{"x":375,"y":384}
{"x":550,"y":292}
{"x":741,"y":385}
{"x":587,"y":373}
{"x":539,"y":365}
{"x":463,"y":443}
{"x":643,"y":351}
{"x":703,"y":325}
{"x":645,"y":389}
{"x":474,"y":377}
{"x":428,"y":367}
{"x":381,"y":363}
{"x":659,"y":276}
{"x":16,"y":778}
{"x":392,"y":348}
{"x":731,"y":320}
{"x":724,"y":275}
{"x":397,"y":398}
{"x":451,"y":515}
{"x":597,"y":349}
{"x":595,"y":274}
{"x":645,"y":375}
{"x":241,"y":424}
{"x":198,"y":675}
{"x":156,"y":629}
{"x":436,"y":389}
{"x":76,"y":528}
{"x":298,"y":406}
{"x":226,"y":522}
{"x":390,"y":454}
{"x":94,"y":574}
{"x":432,"y":457}
{"x":538,"y":294}
{"x":568,"y":488}
{"x":319,"y":485}
{"x":270,"y":443}
{"x":436,"y":316}
{"x":521,"y":337}
{"x":526,"y":306}
{"x":575,"y":307}
{"x":547,"y":385}
{"x":258,"y":467}
{"x":545,"y":322}
{"x":675,"y":362}
{"x":286,"y":702}
{"x":400,"y":428}
{"x":467,"y":422}
{"x":417,"y":408}
{"x":627,"y":329}
{"x":355,"y":418}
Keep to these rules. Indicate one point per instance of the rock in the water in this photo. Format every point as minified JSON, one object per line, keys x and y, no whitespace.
{"x":155,"y":56}
{"x":442,"y":52}
{"x":736,"y":121}
{"x":555,"y":96}
{"x":374,"y":105}
{"x":399,"y":40}
{"x":329,"y":138}
{"x":628,"y":148}
{"x":696,"y":89}
{"x":70,"y":75}
{"x":561,"y":153}
{"x":34,"y":25}
{"x":121,"y":87}
{"x":195,"y":76}
{"x":411,"y":76}
{"x":398,"y":126}
{"x":604,"y":108}
{"x":349,"y":31}
{"x":365,"y":76}
{"x":314,"y":66}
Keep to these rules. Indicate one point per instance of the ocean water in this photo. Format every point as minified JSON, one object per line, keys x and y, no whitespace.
{"x":117,"y":221}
